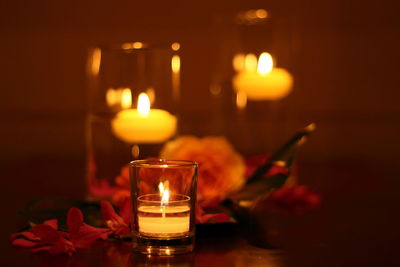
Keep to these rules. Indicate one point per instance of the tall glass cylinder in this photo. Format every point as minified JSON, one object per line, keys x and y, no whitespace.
{"x":251,"y":79}
{"x":163,"y":196}
{"x":133,"y":95}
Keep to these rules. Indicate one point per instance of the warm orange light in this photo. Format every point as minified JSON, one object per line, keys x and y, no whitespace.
{"x":250,"y":62}
{"x":137,"y":45}
{"x":238,"y":62}
{"x":126,"y":98}
{"x":111,"y":97}
{"x":176,"y":63}
{"x":164,"y":192}
{"x":265,"y":63}
{"x":175,"y":46}
{"x":215,"y":89}
{"x":143,"y":105}
{"x":261,"y":13}
{"x":151,"y":94}
{"x":96,"y":58}
{"x":241,"y":100}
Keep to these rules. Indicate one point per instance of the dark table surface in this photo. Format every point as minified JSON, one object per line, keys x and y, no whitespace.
{"x":357,"y":225}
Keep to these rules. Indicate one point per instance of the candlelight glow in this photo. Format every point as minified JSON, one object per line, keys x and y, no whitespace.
{"x":96,"y":58}
{"x":238,"y":62}
{"x":164,"y":192}
{"x":143,"y":105}
{"x":126,"y":98}
{"x":111,"y":97}
{"x":137,"y":45}
{"x":165,"y":197}
{"x":176,"y":63}
{"x":261,"y":13}
{"x":265,"y":63}
{"x":241,"y":100}
{"x":151,"y":94}
{"x":175,"y":46}
{"x":250,"y":62}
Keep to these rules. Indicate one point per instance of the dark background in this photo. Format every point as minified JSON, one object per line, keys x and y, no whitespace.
{"x":345,"y":65}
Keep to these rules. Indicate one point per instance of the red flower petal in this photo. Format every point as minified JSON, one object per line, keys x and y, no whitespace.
{"x":107,"y":212}
{"x":87,"y":235}
{"x":126,"y":210}
{"x":20,"y":242}
{"x":41,"y":248}
{"x":62,"y":246}
{"x":26,"y":235}
{"x":46,"y":233}
{"x":52,"y":223}
{"x":74,"y":220}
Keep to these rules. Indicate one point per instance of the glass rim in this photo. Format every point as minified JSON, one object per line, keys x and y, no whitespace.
{"x":184,"y":199}
{"x":162,"y":163}
{"x":138,"y":45}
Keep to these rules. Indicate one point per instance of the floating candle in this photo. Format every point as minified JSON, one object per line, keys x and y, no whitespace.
{"x":144,"y":125}
{"x":261,"y":81}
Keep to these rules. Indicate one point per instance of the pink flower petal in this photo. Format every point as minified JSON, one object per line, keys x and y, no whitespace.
{"x":74,"y":220}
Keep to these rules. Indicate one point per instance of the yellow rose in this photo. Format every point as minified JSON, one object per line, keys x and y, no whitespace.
{"x":221,"y":168}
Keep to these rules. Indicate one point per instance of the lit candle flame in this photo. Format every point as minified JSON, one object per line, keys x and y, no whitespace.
{"x":143,"y":105}
{"x":165,"y":197}
{"x":164,"y":192}
{"x":265,"y":63}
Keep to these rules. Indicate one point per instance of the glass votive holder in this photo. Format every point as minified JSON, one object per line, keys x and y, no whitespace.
{"x":163,"y":196}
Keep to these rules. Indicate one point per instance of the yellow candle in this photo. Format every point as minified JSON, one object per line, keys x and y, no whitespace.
{"x":155,"y":220}
{"x":144,"y":125}
{"x":262,"y":82}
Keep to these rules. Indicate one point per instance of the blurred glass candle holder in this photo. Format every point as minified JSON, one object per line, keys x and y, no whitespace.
{"x":163,"y":196}
{"x":133,"y":91}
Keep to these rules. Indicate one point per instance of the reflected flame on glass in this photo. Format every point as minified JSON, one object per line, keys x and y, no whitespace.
{"x":241,"y":100}
{"x":238,"y":62}
{"x":265,"y":63}
{"x":252,"y":16}
{"x":261,"y":13}
{"x":250,"y":62}
{"x":151,"y":94}
{"x":134,"y":45}
{"x":111,"y":97}
{"x":176,"y":64}
{"x":175,"y":46}
{"x":143,"y":105}
{"x":215,"y":89}
{"x":126,"y":98}
{"x":96,"y":59}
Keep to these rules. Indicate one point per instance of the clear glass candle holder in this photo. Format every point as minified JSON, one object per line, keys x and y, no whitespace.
{"x":133,"y":93}
{"x":163,"y":196}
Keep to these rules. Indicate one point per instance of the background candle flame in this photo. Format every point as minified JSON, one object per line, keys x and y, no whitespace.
{"x":265,"y":63}
{"x":143,"y":105}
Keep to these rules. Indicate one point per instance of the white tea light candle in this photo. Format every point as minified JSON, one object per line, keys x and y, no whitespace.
{"x":155,"y":220}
